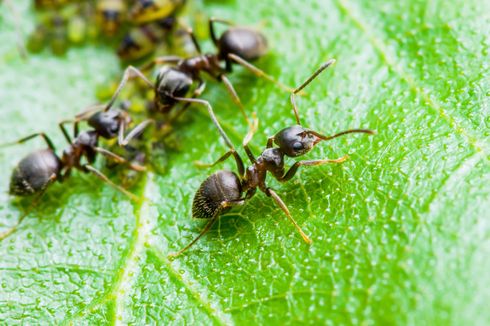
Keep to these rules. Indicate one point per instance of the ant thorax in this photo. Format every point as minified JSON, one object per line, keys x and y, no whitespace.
{"x":83,"y":145}
{"x":207,"y":62}
{"x":253,"y":177}
{"x":271,"y":160}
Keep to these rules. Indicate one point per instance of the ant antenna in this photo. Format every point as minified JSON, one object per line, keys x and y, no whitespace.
{"x":309,"y":80}
{"x":191,"y":34}
{"x":350,"y":131}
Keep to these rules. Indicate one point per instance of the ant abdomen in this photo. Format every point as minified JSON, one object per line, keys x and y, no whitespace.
{"x":244,"y":42}
{"x":34,"y":172}
{"x":222,"y":186}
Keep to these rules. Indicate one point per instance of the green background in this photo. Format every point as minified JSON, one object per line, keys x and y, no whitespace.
{"x":401,"y":232}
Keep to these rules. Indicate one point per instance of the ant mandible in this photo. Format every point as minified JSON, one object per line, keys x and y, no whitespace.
{"x":39,"y":169}
{"x":236,"y":45}
{"x":224,"y":189}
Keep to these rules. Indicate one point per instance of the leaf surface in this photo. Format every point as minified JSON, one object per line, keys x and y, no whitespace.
{"x":400,"y":231}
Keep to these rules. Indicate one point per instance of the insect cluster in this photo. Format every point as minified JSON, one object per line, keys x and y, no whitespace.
{"x":178,"y":85}
{"x":134,"y":28}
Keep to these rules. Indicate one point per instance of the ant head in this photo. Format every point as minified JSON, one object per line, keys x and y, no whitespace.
{"x":296,"y":140}
{"x":107,"y":123}
{"x":246,"y":43}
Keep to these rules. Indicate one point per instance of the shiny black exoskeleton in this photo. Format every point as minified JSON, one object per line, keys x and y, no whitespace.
{"x":34,"y":172}
{"x":219,"y":187}
{"x":224,"y":189}
{"x":244,"y":42}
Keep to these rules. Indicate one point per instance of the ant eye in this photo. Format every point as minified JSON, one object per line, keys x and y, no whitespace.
{"x":297,"y":146}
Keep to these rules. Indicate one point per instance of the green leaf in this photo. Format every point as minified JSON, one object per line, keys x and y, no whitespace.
{"x":400,"y":231}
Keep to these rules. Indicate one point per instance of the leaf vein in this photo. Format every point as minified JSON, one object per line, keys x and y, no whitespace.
{"x":216,"y":314}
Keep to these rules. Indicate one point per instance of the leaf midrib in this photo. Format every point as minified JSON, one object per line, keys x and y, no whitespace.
{"x":129,"y":269}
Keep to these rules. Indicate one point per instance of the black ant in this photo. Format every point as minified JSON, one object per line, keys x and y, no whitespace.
{"x":108,"y":124}
{"x":224,"y":189}
{"x":235,"y":45}
{"x":38,"y":170}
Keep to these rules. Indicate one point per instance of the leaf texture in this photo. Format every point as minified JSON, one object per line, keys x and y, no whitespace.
{"x":400,"y":232}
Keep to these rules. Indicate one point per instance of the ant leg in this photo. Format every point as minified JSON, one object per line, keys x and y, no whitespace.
{"x":129,"y":73}
{"x":295,"y":109}
{"x":189,"y":31}
{"x":160,"y":61}
{"x":248,"y":138}
{"x":270,"y":142}
{"x":65,"y":132}
{"x":38,"y":134}
{"x":293,"y":169}
{"x":238,"y":160}
{"x":122,"y":130}
{"x":84,"y":115}
{"x":136,"y":131}
{"x":250,"y":193}
{"x":309,"y":80}
{"x":34,"y":203}
{"x":257,"y":72}
{"x":200,"y":88}
{"x":75,"y":129}
{"x":232,"y":150}
{"x":203,"y":232}
{"x":234,"y":96}
{"x":211,"y":114}
{"x":284,"y":208}
{"x":118,"y":159}
{"x":89,"y":111}
{"x":211,"y":22}
{"x":223,"y":205}
{"x":102,"y":177}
